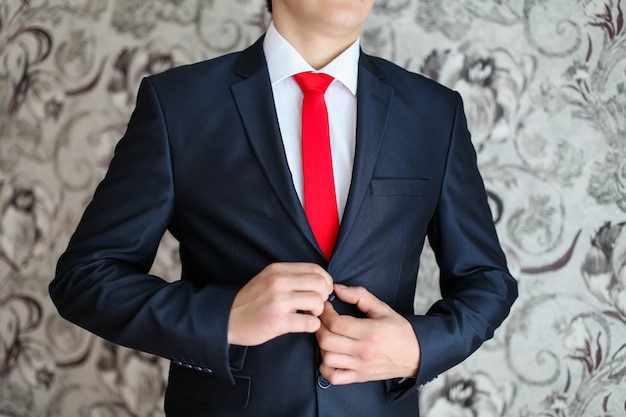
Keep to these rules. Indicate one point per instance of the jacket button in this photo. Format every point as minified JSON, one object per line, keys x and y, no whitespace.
{"x":323,"y":382}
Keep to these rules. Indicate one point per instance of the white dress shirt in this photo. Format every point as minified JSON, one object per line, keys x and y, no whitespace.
{"x":283,"y":62}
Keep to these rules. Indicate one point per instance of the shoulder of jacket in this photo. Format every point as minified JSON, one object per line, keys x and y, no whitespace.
{"x":403,"y":79}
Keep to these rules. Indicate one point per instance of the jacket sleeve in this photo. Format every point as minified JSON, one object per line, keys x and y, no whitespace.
{"x":477,"y":289}
{"x":102,"y":282}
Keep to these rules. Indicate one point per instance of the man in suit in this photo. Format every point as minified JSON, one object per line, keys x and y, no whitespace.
{"x":265,"y":321}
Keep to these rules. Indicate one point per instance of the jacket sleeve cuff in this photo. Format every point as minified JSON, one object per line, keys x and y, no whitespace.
{"x":399,"y":388}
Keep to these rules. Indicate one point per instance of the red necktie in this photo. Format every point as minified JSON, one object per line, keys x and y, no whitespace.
{"x":320,"y":202}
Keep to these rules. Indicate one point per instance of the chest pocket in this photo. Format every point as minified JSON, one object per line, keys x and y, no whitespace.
{"x":400,"y":186}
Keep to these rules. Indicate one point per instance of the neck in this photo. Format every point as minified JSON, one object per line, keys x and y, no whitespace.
{"x":316,"y":48}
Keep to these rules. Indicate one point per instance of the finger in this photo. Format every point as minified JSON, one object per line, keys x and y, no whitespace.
{"x":327,"y":278}
{"x":335,"y":342}
{"x":295,"y":283}
{"x":329,"y":313}
{"x":305,"y":302}
{"x":305,"y":268}
{"x":339,"y":376}
{"x":363,"y":299}
{"x":298,"y":277}
{"x":301,"y":323}
{"x":346,"y":326}
{"x":291,"y":302}
{"x":339,"y":360}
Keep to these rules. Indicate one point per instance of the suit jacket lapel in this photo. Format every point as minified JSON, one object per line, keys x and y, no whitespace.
{"x":254,"y":99}
{"x":373,"y":103}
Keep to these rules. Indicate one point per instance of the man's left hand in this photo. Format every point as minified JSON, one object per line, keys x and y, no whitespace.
{"x":381,"y":346}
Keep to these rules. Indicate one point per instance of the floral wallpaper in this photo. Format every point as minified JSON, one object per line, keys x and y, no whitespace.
{"x":544,"y":83}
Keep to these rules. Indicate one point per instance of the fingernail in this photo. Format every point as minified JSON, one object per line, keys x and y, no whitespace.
{"x":341,"y":286}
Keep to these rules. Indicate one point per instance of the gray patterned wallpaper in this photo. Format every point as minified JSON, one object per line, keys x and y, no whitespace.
{"x":544,"y":82}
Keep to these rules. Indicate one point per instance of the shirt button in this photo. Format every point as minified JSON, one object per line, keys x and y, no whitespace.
{"x":323,"y":382}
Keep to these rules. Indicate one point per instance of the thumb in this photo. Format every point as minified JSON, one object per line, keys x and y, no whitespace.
{"x":363,"y":299}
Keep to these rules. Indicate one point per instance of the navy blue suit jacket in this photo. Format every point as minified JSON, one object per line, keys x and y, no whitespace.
{"x":203,"y":158}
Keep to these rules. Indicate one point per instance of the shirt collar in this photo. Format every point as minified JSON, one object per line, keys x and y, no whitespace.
{"x":284,"y":61}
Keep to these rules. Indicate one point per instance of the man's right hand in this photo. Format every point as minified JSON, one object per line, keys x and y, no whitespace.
{"x":283,"y":298}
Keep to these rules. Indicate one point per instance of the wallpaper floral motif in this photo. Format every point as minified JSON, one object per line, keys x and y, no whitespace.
{"x":544,"y":84}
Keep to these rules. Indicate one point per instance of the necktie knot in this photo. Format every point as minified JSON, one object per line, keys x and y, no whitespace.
{"x":313,"y":81}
